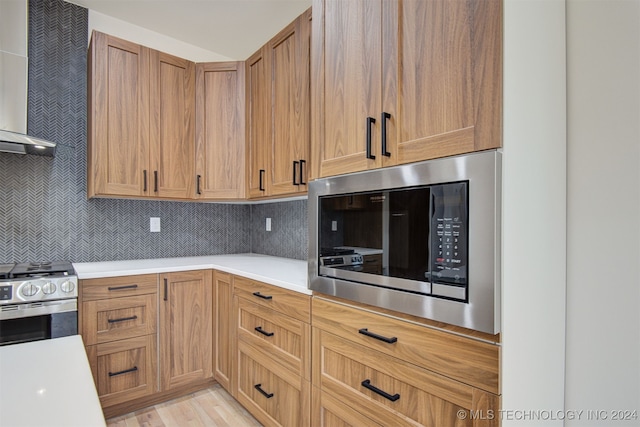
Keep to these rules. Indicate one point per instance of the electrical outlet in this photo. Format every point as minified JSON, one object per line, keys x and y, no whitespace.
{"x":154,"y":224}
{"x":334,"y":225}
{"x":268,"y":224}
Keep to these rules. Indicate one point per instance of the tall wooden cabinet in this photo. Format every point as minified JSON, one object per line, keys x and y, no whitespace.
{"x":224,"y":331}
{"x":220,"y":131}
{"x":141,"y":121}
{"x":402,"y":81}
{"x":278,"y":113}
{"x":185,"y":328}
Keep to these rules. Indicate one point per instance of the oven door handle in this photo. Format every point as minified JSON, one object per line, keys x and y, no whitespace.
{"x":29,"y":309}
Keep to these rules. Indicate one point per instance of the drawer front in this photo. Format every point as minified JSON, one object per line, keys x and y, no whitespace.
{"x":124,"y":370}
{"x":393,"y":392}
{"x":330,"y":412}
{"x":372,"y":264}
{"x":286,"y":339}
{"x":283,"y":300}
{"x":274,"y":395}
{"x":116,"y":287}
{"x":467,"y":360}
{"x":118,"y":318}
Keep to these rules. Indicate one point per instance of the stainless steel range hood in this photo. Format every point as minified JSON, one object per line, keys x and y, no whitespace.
{"x":13,"y":83}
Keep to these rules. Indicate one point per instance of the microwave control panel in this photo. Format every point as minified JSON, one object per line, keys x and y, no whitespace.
{"x":449,"y":235}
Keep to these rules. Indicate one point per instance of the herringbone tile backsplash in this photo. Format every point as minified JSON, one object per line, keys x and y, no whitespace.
{"x":44,"y":211}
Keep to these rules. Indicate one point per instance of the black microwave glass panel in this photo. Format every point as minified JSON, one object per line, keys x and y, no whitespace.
{"x":416,"y":233}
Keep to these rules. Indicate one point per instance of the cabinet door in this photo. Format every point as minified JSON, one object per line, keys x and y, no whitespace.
{"x":258,"y":89}
{"x":172,"y":126}
{"x":118,"y":118}
{"x":289,"y":52}
{"x":220,"y":131}
{"x":223,"y":330}
{"x":185,"y":328}
{"x":346,"y":64}
{"x":442,"y":74}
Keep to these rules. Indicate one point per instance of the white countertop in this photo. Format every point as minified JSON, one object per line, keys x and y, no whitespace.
{"x":48,"y":383}
{"x":283,"y":272}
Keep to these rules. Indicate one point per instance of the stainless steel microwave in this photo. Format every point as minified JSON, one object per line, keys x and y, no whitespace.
{"x":421,"y":239}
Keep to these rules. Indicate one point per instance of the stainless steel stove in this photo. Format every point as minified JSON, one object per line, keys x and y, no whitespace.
{"x":38,"y":300}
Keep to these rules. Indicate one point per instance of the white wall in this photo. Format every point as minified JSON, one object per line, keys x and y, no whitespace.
{"x":603,"y":273}
{"x":534,"y":213}
{"x":116,"y":27}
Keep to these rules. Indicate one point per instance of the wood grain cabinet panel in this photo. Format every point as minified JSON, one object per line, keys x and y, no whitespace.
{"x":124,"y":369}
{"x":279,"y":113}
{"x":464,"y":359}
{"x":172,"y":123}
{"x":274,"y":395}
{"x":258,"y":107}
{"x":403,"y":81}
{"x":224,"y":331}
{"x":141,"y":121}
{"x":284,"y":338}
{"x":119,"y":318}
{"x":185,"y":328}
{"x":220,"y":131}
{"x":288,"y":302}
{"x":117,"y":287}
{"x":118,"y":117}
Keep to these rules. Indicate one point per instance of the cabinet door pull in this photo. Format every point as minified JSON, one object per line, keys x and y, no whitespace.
{"x":263,"y":332}
{"x":261,"y":185}
{"x":367,"y":384}
{"x":166,"y":286}
{"x":155,"y":181}
{"x":198,"y":178}
{"x":302,"y":181}
{"x":264,"y":393}
{"x":144,"y":179}
{"x":295,"y":166}
{"x":385,"y":116}
{"x":122,"y":319}
{"x":126,"y":371}
{"x":370,"y":121}
{"x":122,"y":288}
{"x":259,"y":295}
{"x":365,"y":331}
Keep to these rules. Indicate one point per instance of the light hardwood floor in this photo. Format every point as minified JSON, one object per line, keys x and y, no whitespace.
{"x":209,"y":407}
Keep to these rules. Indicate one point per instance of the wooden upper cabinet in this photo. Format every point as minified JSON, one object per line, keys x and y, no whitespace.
{"x":412,"y":79}
{"x":172,"y":95}
{"x":258,"y":107}
{"x":291,"y":108}
{"x":220,"y":134}
{"x":141,"y":121}
{"x":118,"y":117}
{"x":278,"y":113}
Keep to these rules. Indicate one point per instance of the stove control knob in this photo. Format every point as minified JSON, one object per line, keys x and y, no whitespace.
{"x":49,"y":288}
{"x":29,"y":290}
{"x":67,"y":286}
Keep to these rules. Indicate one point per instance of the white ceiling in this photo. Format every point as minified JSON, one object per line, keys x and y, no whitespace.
{"x":232,"y":28}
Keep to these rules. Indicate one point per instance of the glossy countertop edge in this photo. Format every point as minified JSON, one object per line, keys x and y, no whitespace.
{"x":286,"y":273}
{"x":48,"y":383}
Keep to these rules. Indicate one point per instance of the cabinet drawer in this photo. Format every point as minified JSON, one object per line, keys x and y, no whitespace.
{"x":274,"y":395}
{"x":329,"y":412}
{"x":467,"y":360}
{"x":284,"y":338}
{"x":394,"y":392}
{"x":372,"y":264}
{"x":283,"y":300}
{"x":124,"y":370}
{"x":115,"y":287}
{"x":118,"y":318}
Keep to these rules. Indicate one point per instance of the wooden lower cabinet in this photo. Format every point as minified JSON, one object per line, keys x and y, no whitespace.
{"x":124,"y":369}
{"x":274,"y":395}
{"x":185,"y":328}
{"x":224,"y":332}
